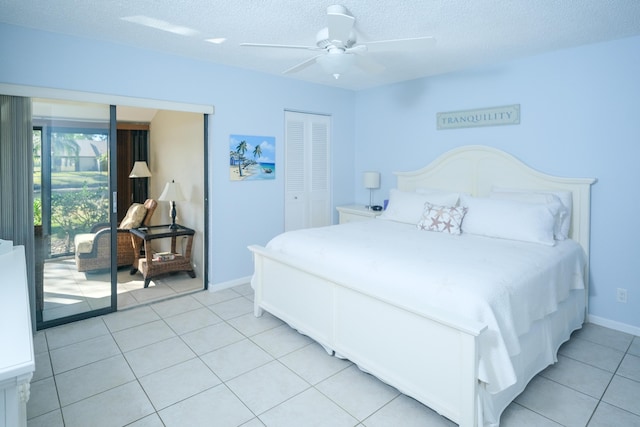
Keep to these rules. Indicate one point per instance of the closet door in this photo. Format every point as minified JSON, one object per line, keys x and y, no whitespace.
{"x":307,"y":166}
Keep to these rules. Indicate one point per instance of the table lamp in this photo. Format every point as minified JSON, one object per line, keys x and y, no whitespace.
{"x":173,"y":194}
{"x":371,"y":180}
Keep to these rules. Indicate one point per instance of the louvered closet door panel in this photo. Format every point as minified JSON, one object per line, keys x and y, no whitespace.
{"x":307,"y":171}
{"x":294,"y":206}
{"x":319,"y":182}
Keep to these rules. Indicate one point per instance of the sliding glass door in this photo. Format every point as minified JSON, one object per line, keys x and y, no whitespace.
{"x":75,"y":276}
{"x":82,"y":180}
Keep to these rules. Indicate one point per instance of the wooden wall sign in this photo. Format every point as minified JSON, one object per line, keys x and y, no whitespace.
{"x":494,"y":116}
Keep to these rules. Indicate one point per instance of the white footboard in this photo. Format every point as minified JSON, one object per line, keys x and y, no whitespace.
{"x":432,"y":358}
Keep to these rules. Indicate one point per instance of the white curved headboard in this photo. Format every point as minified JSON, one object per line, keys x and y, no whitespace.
{"x":475,"y":169}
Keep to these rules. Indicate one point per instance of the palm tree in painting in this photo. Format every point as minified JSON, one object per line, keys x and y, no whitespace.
{"x":257,"y":152}
{"x":241,"y":148}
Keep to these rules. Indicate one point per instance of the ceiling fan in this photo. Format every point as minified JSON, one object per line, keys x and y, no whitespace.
{"x":339,"y":49}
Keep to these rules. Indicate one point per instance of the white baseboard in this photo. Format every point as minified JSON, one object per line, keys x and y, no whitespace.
{"x":612,"y":324}
{"x":229,"y":284}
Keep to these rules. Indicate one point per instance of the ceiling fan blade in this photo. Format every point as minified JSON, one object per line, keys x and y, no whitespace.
{"x":339,"y":23}
{"x":369,"y":65}
{"x":363,"y":61}
{"x":282,"y":46}
{"x":302,"y":65}
{"x":359,"y":49}
{"x":416,"y":43}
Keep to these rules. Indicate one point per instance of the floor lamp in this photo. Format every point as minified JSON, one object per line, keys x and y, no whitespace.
{"x":140,"y":171}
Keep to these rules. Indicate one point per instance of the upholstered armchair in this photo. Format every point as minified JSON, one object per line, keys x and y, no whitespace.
{"x":93,"y":249}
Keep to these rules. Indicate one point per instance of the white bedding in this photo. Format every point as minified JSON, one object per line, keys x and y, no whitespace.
{"x":505,"y":284}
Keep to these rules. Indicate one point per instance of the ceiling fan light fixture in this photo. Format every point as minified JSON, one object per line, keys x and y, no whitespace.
{"x":337,"y":64}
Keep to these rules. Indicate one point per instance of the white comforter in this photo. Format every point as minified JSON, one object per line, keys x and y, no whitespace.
{"x":504,"y":284}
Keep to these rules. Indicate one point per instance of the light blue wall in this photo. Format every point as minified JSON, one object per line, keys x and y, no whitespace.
{"x":245,"y":103}
{"x":579,"y":118}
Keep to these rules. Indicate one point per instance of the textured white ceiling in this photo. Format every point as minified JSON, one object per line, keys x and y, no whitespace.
{"x":468,"y":32}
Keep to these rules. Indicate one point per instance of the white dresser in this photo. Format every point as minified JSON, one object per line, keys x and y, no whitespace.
{"x":17,"y":362}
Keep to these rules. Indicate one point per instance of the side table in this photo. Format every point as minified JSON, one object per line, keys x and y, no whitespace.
{"x":151,"y":268}
{"x":350,"y":213}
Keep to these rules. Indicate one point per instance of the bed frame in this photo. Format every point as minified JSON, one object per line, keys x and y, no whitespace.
{"x":440,"y":368}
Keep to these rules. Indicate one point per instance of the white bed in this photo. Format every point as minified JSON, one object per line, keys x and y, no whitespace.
{"x":423,"y":342}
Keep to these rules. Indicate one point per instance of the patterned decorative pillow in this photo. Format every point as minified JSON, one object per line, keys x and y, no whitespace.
{"x":444,"y":219}
{"x":134,"y":216}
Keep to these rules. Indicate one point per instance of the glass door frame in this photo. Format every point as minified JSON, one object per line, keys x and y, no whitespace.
{"x":113,"y":205}
{"x":45,"y":162}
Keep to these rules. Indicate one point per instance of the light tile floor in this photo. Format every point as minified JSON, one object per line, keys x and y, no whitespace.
{"x":68,"y":292}
{"x":204,"y":360}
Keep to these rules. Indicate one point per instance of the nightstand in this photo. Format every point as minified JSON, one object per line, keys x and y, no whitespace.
{"x":350,"y":213}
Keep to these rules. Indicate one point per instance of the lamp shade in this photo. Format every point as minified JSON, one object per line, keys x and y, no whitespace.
{"x":371,"y":179}
{"x":140,"y":170}
{"x":171,"y":192}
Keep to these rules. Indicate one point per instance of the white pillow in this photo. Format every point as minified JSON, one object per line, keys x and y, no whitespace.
{"x":563,"y":218}
{"x":423,"y":190}
{"x":508,"y":219}
{"x":407,"y":207}
{"x":546,"y":199}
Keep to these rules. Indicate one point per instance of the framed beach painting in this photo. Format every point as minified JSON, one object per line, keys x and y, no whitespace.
{"x":252,"y":157}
